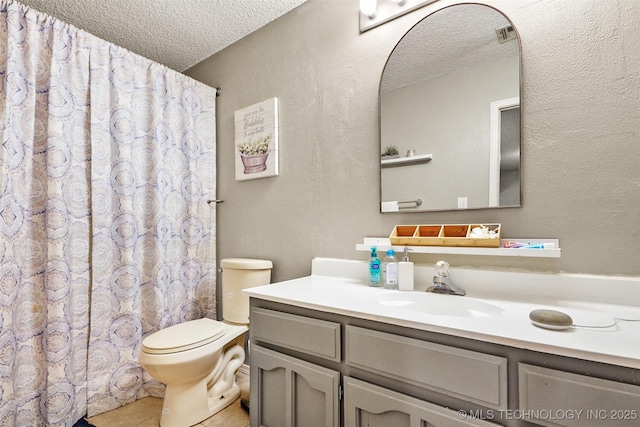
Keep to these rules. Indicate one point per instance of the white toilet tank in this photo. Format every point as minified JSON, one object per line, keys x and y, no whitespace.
{"x":239,"y":274}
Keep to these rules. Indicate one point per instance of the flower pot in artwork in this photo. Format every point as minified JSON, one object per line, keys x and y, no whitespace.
{"x":254,"y":163}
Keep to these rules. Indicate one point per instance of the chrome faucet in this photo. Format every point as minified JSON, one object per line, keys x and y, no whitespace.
{"x":442,"y":284}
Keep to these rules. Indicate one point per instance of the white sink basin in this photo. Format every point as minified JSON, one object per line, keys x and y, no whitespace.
{"x":439,"y":305}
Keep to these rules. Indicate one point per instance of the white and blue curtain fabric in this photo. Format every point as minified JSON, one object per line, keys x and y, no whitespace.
{"x":107,"y":160}
{"x":152,"y":171}
{"x":45,"y":222}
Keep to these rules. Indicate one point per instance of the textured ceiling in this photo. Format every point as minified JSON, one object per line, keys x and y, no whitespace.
{"x":176,"y":33}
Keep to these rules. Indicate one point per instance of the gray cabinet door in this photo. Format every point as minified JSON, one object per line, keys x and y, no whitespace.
{"x":556,"y":398}
{"x":288,"y":392}
{"x":300,"y":333}
{"x":468,"y":375}
{"x":367,"y":405}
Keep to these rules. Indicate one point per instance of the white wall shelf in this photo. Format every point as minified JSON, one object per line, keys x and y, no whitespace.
{"x":383,"y":244}
{"x":404,"y":161}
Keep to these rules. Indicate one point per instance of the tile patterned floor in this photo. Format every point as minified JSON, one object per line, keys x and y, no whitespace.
{"x":146,"y":412}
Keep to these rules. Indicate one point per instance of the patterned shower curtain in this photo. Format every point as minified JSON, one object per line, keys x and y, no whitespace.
{"x":106,"y":163}
{"x":44,"y":220}
{"x":153,"y":166}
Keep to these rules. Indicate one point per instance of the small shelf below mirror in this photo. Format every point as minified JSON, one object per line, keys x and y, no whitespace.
{"x":404,"y":161}
{"x":382,"y":244}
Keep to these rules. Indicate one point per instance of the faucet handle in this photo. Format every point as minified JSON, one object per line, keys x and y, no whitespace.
{"x":442,"y":268}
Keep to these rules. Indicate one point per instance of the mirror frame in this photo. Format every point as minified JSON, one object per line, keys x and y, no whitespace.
{"x":520,"y":88}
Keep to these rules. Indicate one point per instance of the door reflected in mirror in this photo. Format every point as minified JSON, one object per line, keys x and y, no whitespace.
{"x":451,"y":90}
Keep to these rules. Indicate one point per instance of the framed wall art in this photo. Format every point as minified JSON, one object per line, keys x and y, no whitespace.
{"x":256,"y":140}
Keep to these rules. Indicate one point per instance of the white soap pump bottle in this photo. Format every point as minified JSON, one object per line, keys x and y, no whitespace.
{"x":405,"y":272}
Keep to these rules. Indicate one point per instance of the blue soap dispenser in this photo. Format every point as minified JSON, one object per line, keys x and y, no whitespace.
{"x":374,"y":269}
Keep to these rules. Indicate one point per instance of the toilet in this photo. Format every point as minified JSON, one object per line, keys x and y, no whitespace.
{"x":197,"y":360}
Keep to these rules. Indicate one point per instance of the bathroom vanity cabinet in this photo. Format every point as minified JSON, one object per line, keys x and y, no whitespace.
{"x":286,"y":390}
{"x":292,"y":392}
{"x":315,"y":368}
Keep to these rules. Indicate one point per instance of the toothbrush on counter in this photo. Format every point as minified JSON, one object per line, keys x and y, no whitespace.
{"x":520,"y":245}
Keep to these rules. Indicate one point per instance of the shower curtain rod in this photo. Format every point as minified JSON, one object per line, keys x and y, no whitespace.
{"x":218,"y":91}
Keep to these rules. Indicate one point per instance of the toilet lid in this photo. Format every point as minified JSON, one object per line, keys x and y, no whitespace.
{"x":183,"y":336}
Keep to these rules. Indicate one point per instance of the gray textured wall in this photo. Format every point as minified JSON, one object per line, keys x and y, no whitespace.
{"x":581,"y":123}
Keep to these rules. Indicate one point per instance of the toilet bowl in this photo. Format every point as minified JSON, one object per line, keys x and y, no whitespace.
{"x":197,"y":360}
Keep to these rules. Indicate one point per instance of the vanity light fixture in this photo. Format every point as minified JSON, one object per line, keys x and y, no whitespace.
{"x":369,"y":8}
{"x":377,"y":12}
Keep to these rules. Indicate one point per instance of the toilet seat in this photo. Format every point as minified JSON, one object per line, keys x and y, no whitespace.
{"x":183,"y":336}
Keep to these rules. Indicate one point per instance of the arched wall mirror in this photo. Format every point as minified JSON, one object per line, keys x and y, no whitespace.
{"x":450,"y":105}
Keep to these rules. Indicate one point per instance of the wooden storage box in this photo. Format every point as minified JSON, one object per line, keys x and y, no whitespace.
{"x":445,"y":235}
{"x":403,"y":235}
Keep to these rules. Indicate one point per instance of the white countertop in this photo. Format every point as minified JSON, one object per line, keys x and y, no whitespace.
{"x":509,"y":325}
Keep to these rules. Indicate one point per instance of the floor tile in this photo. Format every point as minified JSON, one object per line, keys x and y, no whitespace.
{"x":146,"y":412}
{"x":143,"y":412}
{"x":231,"y":416}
